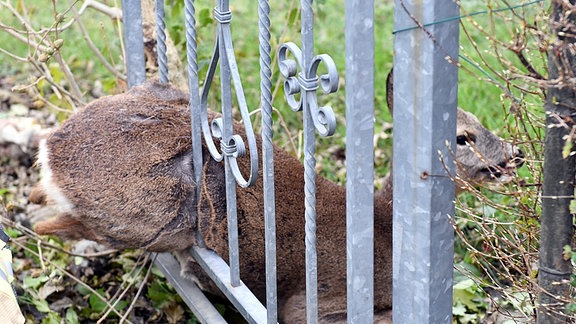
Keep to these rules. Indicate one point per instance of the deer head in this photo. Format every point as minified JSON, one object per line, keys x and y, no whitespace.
{"x":481,"y":156}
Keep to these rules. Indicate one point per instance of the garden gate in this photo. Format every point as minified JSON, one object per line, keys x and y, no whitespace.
{"x":425,"y":95}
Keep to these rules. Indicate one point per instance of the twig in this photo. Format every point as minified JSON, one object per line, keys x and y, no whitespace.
{"x":70,"y":275}
{"x":139,"y":289}
{"x":32,"y":235}
{"x":124,"y":291}
{"x":94,"y":49}
{"x":71,"y":81}
{"x":18,"y":58}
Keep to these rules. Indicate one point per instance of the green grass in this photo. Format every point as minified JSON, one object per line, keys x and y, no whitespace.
{"x":84,"y":65}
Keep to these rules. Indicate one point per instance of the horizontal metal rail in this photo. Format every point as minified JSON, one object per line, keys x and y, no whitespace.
{"x":240,"y":296}
{"x":188,"y":290}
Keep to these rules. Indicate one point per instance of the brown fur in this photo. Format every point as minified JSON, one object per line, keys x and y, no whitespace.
{"x":124,"y":166}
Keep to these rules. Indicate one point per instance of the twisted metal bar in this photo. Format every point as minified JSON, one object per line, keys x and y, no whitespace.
{"x":161,"y":41}
{"x":316,"y":118}
{"x":309,"y":169}
{"x":268,"y":159}
{"x":194,"y":104}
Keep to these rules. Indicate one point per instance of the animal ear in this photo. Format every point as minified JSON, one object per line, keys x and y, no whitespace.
{"x":37,"y":195}
{"x":64,"y":225}
{"x":390,"y":91}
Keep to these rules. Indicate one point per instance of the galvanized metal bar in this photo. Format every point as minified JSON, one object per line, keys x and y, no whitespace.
{"x":240,"y":296}
{"x":194,"y":105}
{"x":360,"y":160}
{"x":238,"y":142}
{"x":425,"y":100}
{"x":268,"y":159}
{"x":202,"y":308}
{"x":161,"y":41}
{"x":134,"y":42}
{"x":307,"y":31}
{"x":223,"y":15}
{"x":315,"y":118}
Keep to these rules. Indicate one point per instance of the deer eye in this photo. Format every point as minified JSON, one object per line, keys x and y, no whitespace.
{"x":466,"y":138}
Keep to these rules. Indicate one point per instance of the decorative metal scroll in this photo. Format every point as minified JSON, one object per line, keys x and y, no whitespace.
{"x":307,"y":82}
{"x":232,"y":146}
{"x":316,"y":118}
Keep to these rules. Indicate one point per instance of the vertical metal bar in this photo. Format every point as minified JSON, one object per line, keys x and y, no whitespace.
{"x":161,"y":41}
{"x":309,"y":168}
{"x":268,"y":159}
{"x":360,"y":160}
{"x":425,"y":100}
{"x":226,"y":89}
{"x":134,"y":41}
{"x":194,"y":104}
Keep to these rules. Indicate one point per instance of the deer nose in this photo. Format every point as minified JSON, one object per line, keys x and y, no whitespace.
{"x":518,"y":159}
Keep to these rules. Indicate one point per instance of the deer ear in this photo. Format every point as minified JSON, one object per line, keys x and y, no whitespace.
{"x":37,"y":195}
{"x":64,"y":225}
{"x":390,"y":91}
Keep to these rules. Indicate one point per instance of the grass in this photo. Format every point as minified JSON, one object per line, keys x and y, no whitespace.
{"x":490,"y":85}
{"x":103,"y":30}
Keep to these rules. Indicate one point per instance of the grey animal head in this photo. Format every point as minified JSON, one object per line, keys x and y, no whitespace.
{"x":481,"y":156}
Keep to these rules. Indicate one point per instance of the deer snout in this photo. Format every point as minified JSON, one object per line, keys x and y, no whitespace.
{"x":504,"y":171}
{"x":518,"y":159}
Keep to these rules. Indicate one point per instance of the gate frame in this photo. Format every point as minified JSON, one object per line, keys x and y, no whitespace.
{"x":430,"y":205}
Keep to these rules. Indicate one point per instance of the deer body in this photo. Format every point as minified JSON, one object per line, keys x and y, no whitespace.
{"x":121,"y":170}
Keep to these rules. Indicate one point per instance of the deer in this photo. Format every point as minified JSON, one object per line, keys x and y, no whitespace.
{"x":120,"y":172}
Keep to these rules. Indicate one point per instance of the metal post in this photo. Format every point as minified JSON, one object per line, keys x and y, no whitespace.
{"x":425,"y":101}
{"x":554,"y":269}
{"x":360,"y":159}
{"x":134,"y":42}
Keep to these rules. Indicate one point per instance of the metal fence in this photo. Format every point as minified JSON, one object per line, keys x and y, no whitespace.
{"x":425,"y":88}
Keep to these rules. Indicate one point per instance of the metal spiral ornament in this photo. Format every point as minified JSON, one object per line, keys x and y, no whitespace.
{"x":224,"y":50}
{"x":306,"y":82}
{"x":300,"y":69}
